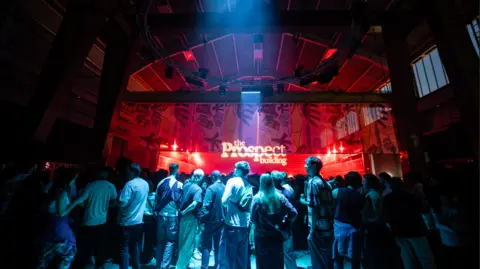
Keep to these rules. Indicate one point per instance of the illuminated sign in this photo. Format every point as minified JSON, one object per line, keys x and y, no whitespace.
{"x":264,"y":155}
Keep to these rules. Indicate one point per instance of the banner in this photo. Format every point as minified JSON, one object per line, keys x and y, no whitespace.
{"x":298,"y":128}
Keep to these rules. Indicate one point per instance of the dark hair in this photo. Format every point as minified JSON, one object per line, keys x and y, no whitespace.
{"x":62,"y":178}
{"x":371,"y":182}
{"x":315,"y":161}
{"x":122,"y":163}
{"x":384,"y":178}
{"x":135,"y":168}
{"x":173,"y":168}
{"x":340,"y":182}
{"x":353,"y":179}
{"x":395,"y":183}
{"x":243,"y":166}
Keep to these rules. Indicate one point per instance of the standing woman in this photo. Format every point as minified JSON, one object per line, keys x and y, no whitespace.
{"x":272,"y":214}
{"x":58,"y":240}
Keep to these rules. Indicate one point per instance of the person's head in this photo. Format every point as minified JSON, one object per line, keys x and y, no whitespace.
{"x":340,"y":182}
{"x":173,"y":169}
{"x":383,"y":178}
{"x":242,"y":169}
{"x":371,"y":182}
{"x":267,"y":184}
{"x":197,"y":176}
{"x":122,"y":165}
{"x":395,"y":184}
{"x":353,"y":180}
{"x":313,"y":165}
{"x":277,"y":179}
{"x":267,"y":194}
{"x":102,"y":174}
{"x":64,"y":178}
{"x":284,"y":178}
{"x":216,"y":175}
{"x":133,"y":171}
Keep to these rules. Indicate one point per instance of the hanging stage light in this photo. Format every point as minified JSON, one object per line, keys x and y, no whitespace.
{"x":280,"y":88}
{"x":169,"y":72}
{"x":222,"y":89}
{"x":203,"y":73}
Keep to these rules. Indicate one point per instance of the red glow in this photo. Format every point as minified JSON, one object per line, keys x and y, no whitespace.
{"x":329,"y":53}
{"x":174,"y":147}
{"x":341,"y":148}
{"x":189,"y":55}
{"x":333,"y":165}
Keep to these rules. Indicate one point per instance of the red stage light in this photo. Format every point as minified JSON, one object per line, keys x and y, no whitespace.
{"x":174,"y":147}
{"x":329,"y":53}
{"x":189,"y":55}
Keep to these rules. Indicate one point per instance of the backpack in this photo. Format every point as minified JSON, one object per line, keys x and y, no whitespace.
{"x":245,"y":201}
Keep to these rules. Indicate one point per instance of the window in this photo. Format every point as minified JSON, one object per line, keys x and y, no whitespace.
{"x":347,"y":125}
{"x":386,"y":88}
{"x":474,"y":32}
{"x":429,"y":73}
{"x":372,"y":114}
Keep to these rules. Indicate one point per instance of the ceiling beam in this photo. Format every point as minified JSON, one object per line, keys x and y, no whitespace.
{"x":236,"y":97}
{"x":280,"y":21}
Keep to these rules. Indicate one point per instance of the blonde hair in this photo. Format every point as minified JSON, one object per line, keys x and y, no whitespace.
{"x":267,"y":194}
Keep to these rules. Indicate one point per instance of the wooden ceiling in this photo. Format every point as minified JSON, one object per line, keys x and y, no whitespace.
{"x":230,"y":56}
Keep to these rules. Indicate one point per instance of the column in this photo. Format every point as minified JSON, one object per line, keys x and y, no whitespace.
{"x":404,"y":100}
{"x":80,"y":27}
{"x":121,"y":47}
{"x":460,"y":60}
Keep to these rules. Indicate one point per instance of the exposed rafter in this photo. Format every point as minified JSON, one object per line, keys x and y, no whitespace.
{"x":280,"y":21}
{"x":236,"y":97}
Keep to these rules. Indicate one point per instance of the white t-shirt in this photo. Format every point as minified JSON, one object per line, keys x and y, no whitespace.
{"x":233,"y":192}
{"x":100,"y":193}
{"x":133,"y":199}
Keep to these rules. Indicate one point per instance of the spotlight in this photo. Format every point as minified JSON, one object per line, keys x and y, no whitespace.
{"x":222,"y":90}
{"x":203,"y":73}
{"x":169,"y":72}
{"x":280,"y":88}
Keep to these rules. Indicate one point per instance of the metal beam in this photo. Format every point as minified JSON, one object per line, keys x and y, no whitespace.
{"x":238,"y":97}
{"x":280,"y":21}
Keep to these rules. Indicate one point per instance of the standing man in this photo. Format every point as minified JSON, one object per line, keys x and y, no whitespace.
{"x":169,"y":192}
{"x":189,"y":224}
{"x":212,"y":218}
{"x":237,"y":200}
{"x":101,"y":194}
{"x":320,"y":204}
{"x":279,"y":179}
{"x":132,"y":201}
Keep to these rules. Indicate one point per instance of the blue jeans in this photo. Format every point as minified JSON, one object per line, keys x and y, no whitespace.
{"x":233,"y":248}
{"x":167,"y":232}
{"x":131,"y":237}
{"x":210,"y":238}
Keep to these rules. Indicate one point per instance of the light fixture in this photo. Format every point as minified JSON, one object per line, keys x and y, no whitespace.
{"x":222,"y":89}
{"x":169,"y":72}
{"x":203,"y":72}
{"x":280,"y":88}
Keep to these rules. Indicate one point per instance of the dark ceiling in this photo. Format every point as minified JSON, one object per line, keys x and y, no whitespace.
{"x":32,"y":28}
{"x":230,"y":56}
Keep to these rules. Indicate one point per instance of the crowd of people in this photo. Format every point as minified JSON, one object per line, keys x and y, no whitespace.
{"x":133,"y":217}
